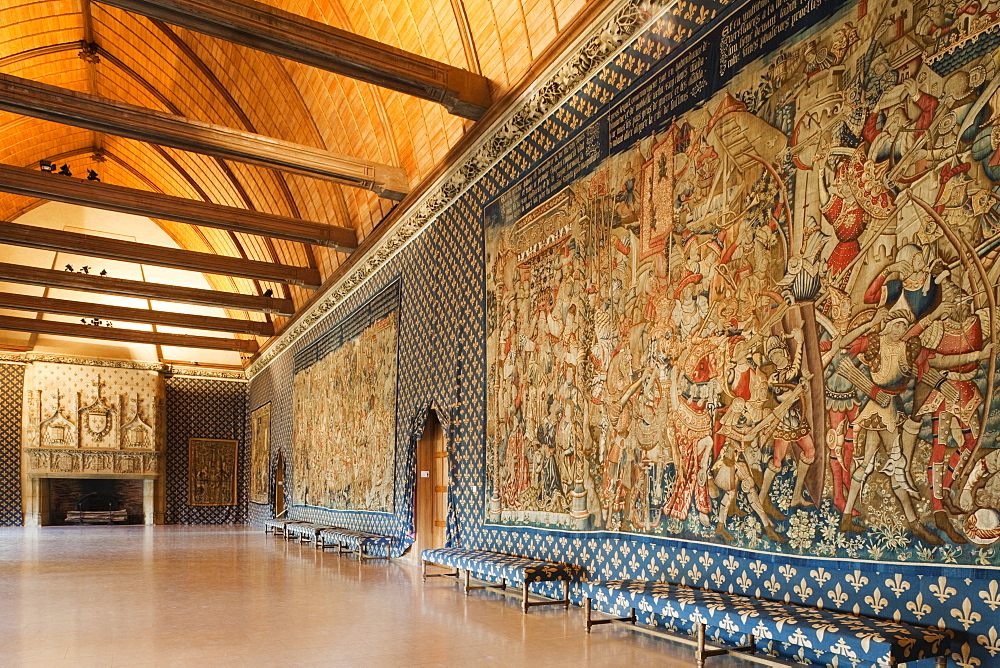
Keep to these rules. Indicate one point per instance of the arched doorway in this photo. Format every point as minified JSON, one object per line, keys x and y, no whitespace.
{"x":278,"y":502}
{"x":430,"y":502}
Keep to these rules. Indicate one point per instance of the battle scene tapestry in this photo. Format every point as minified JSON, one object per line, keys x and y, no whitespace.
{"x":767,"y":320}
{"x":260,"y":450}
{"x":212,"y":472}
{"x":344,"y":412}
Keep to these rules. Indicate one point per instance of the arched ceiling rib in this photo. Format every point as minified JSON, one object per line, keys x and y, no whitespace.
{"x":175,"y":70}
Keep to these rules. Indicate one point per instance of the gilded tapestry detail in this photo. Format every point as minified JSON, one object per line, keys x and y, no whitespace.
{"x":769,"y":321}
{"x":345,"y":423}
{"x":212,"y":472}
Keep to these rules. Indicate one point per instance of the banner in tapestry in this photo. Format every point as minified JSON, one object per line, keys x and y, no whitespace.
{"x":212,"y":472}
{"x":260,"y":451}
{"x":344,"y":411}
{"x":755,"y":302}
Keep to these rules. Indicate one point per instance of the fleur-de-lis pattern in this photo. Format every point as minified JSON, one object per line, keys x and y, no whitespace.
{"x":735,"y":616}
{"x":371,"y":544}
{"x":204,"y":408}
{"x":494,"y":566}
{"x":11,"y":390}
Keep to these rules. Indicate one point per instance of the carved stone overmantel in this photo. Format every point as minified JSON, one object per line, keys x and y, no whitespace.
{"x":85,"y":421}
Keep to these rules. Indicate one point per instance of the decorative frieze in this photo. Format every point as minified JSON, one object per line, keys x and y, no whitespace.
{"x":47,"y":461}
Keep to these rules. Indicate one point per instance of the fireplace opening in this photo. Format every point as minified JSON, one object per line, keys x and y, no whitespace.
{"x":85,"y":501}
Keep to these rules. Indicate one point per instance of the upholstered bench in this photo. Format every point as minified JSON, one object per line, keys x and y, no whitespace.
{"x":505,"y":568}
{"x":362,"y":543}
{"x":305,"y":532}
{"x":854,"y":638}
{"x":278,"y":525}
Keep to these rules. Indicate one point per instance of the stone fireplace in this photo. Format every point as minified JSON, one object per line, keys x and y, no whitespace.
{"x":93,"y":501}
{"x":92,"y":427}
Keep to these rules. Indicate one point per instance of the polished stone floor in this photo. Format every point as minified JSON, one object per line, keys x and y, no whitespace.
{"x":229,"y":596}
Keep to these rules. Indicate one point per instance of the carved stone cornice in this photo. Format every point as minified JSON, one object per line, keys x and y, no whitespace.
{"x":28,"y":358}
{"x":209,"y":374}
{"x":608,"y":36}
{"x":165,"y":369}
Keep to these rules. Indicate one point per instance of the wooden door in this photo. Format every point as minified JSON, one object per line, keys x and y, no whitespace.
{"x":431,"y":499}
{"x":279,"y":486}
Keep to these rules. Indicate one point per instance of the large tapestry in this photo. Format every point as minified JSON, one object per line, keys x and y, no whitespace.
{"x":344,"y":411}
{"x":212,"y":471}
{"x":260,"y":451}
{"x":767,"y":320}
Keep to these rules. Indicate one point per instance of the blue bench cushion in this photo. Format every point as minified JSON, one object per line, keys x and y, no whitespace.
{"x":355,"y":540}
{"x":305,"y":529}
{"x":278,"y":523}
{"x":496,"y":566}
{"x":839,"y":633}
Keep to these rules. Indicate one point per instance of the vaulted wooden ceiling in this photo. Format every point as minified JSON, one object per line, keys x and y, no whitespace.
{"x":98,"y":49}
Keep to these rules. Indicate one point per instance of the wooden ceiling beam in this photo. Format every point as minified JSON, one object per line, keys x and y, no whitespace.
{"x":68,"y":280}
{"x":56,"y":328}
{"x":31,"y":183}
{"x":286,"y":35}
{"x":129,"y":251}
{"x":120,"y":119}
{"x":127,"y":314}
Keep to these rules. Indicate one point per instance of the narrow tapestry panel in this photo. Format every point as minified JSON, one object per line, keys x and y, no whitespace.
{"x":345,"y":422}
{"x":260,"y":450}
{"x":212,"y":472}
{"x":768,"y":320}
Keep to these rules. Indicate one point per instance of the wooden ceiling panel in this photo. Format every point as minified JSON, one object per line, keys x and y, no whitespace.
{"x":328,"y":259}
{"x":221,"y":242}
{"x":138,"y":165}
{"x":209,"y":175}
{"x":262,"y":187}
{"x":29,"y":25}
{"x":174,"y":70}
{"x":254,"y":87}
{"x":12,"y":206}
{"x":25,"y":143}
{"x":257,"y":248}
{"x":49,"y":67}
{"x":66,"y":72}
{"x":321,"y":201}
{"x":565,"y":11}
{"x":116,"y":83}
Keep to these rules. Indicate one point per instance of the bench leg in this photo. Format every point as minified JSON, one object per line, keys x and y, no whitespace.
{"x":701,"y":645}
{"x":423,"y":572}
{"x":524,"y":602}
{"x":468,"y":581}
{"x":565,"y":594}
{"x":941,"y":662}
{"x":587,"y":607}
